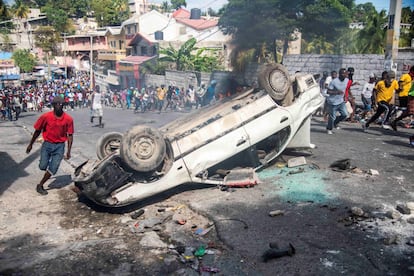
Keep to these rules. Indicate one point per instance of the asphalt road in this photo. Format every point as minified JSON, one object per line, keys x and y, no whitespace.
{"x":315,"y":203}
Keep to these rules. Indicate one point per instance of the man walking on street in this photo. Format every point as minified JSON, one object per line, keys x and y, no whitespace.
{"x":96,"y":106}
{"x":335,"y":100}
{"x":56,"y":127}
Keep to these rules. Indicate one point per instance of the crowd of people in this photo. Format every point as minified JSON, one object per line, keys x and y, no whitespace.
{"x":76,"y":94}
{"x":385,"y":101}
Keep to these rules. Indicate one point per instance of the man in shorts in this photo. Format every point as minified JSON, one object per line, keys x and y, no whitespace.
{"x":56,"y":127}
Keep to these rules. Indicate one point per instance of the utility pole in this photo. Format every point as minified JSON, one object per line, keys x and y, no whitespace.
{"x":91,"y":63}
{"x":64,"y":54}
{"x":393,"y":35}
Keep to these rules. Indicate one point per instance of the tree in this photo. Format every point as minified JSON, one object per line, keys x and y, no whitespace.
{"x":407,"y":16}
{"x":372,"y":38}
{"x":5,"y":16}
{"x":188,"y":57}
{"x":21,"y":11}
{"x":57,"y":17}
{"x":24,"y":60}
{"x":177,"y":4}
{"x":318,"y":45}
{"x":265,"y":22}
{"x":179,"y":57}
{"x":7,"y":43}
{"x":110,"y":13}
{"x":46,"y":39}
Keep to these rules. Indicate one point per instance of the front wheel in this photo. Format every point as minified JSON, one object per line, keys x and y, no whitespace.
{"x":143,"y":148}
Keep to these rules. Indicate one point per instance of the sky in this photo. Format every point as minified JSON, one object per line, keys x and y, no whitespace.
{"x":217,"y":4}
{"x":385,"y":4}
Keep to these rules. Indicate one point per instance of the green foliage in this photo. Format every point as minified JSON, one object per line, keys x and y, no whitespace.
{"x":47,"y":39}
{"x":110,"y":12}
{"x":57,"y":17}
{"x":177,"y":4}
{"x":157,"y":68}
{"x":20,"y":10}
{"x":7,"y":45}
{"x":4,"y":11}
{"x":372,"y":38}
{"x":24,"y":60}
{"x":265,"y":22}
{"x":190,"y":58}
{"x":318,"y":45}
{"x":406,"y":35}
{"x":34,"y":3}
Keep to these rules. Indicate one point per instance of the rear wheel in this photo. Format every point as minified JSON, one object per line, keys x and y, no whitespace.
{"x":275,"y":80}
{"x":108,"y":143}
{"x":143,"y":148}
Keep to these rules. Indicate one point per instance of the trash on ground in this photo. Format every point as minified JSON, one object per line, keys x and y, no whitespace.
{"x":297,"y":161}
{"x":343,"y":164}
{"x":209,"y":269}
{"x":200,"y":252}
{"x":273,"y":253}
{"x":276,"y":213}
{"x":403,"y":209}
{"x":373,"y":172}
{"x":245,"y":177}
{"x":357,"y":211}
{"x":300,"y":170}
{"x":137,"y":214}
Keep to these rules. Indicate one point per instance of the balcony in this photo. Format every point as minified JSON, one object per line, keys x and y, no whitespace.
{"x":113,"y":55}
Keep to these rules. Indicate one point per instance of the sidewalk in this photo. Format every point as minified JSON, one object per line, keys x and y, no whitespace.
{"x":19,"y":201}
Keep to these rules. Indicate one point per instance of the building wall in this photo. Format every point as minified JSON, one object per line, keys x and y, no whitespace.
{"x":363,"y":65}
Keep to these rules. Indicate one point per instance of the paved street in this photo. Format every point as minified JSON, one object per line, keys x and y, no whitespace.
{"x":315,"y":203}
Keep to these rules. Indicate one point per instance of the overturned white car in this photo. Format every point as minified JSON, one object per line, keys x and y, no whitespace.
{"x":246,"y":131}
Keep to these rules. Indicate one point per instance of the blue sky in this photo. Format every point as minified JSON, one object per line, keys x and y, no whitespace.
{"x":385,"y":4}
{"x":217,"y":4}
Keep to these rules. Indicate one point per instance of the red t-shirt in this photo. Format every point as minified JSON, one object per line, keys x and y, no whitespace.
{"x":54,"y":129}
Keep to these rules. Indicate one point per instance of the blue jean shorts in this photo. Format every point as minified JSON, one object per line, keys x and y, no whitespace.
{"x":50,"y":156}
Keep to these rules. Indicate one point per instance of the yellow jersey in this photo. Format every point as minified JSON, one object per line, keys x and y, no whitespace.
{"x":405,"y":85}
{"x":385,"y":94}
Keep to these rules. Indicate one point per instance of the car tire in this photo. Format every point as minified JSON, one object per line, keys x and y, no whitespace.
{"x":143,"y":148}
{"x":108,"y":143}
{"x":275,"y":80}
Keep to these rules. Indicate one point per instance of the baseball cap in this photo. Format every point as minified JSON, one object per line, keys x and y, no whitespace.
{"x":372,"y":75}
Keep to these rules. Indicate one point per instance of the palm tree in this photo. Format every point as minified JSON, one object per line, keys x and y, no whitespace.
{"x":319,"y":45}
{"x":180,"y":57}
{"x":21,"y":11}
{"x":371,"y":39}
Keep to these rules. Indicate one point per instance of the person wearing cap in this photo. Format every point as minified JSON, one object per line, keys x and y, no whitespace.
{"x":57,"y":128}
{"x":366,"y":95}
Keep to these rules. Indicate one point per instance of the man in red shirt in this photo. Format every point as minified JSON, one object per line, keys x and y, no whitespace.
{"x":57,"y":128}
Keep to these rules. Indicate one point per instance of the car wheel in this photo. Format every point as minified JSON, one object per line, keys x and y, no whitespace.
{"x":143,"y":148}
{"x":108,"y":143}
{"x":275,"y":80}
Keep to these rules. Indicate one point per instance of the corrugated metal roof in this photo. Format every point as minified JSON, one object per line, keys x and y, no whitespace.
{"x":136,"y":59}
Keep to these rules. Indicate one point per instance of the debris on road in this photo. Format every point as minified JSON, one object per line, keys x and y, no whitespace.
{"x":276,"y":213}
{"x":297,"y":161}
{"x":343,"y":164}
{"x":373,"y":172}
{"x":274,"y":253}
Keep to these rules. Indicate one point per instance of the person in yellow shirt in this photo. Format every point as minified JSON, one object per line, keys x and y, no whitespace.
{"x":384,"y":92}
{"x":406,"y":100}
{"x":161,"y":91}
